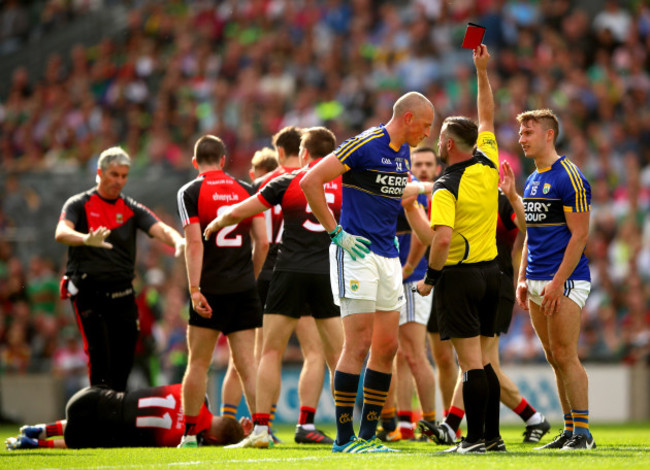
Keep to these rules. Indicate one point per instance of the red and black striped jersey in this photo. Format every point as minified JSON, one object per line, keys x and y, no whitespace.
{"x":153,"y":417}
{"x":123,"y":217}
{"x":274,"y":223}
{"x":305,"y":243}
{"x":227,"y":263}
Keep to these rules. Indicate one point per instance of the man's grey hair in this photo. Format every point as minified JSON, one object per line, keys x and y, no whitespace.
{"x":113,"y":155}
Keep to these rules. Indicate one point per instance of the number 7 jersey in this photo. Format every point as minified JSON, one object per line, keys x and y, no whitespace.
{"x":227,"y":263}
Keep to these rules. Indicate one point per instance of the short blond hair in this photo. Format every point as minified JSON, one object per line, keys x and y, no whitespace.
{"x":265,"y":159}
{"x":545,"y":117}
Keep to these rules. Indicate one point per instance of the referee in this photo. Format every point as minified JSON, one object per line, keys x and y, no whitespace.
{"x":100,"y":227}
{"x":462,"y":263}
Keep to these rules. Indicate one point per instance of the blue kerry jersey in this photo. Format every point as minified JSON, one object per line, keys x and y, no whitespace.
{"x":548,"y":194}
{"x":372,"y":187}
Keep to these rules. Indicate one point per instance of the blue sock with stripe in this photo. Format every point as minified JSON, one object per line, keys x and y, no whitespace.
{"x":345,"y":395}
{"x":568,"y":425}
{"x":375,"y":392}
{"x":580,"y":422}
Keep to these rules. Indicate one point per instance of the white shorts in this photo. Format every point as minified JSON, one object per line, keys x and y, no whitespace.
{"x":578,"y":291}
{"x":374,"y":278}
{"x":417,"y":307}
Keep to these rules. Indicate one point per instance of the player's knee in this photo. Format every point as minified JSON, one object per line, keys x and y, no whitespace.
{"x":445,"y":361}
{"x":562,"y":355}
{"x":386,"y":350}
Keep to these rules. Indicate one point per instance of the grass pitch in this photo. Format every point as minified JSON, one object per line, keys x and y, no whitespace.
{"x":619,"y":446}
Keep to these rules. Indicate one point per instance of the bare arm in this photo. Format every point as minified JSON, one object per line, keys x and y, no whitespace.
{"x":438,"y":254}
{"x":416,"y":252}
{"x":312,"y":185}
{"x":484,"y":99}
{"x":413,"y":188}
{"x":66,"y":234}
{"x":235,"y":214}
{"x":578,"y":224}
{"x":440,"y":246}
{"x":417,"y":219}
{"x":194,"y":264}
{"x":163,"y":232}
{"x":261,"y":243}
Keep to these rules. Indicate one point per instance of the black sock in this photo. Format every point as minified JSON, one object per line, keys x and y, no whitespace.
{"x":475,"y":395}
{"x":493,"y":404}
{"x":345,"y":395}
{"x":375,"y":391}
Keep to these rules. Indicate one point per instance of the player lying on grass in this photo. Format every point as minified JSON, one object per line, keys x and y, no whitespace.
{"x":100,"y":417}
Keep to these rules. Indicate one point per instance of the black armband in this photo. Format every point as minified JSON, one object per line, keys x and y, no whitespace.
{"x":432,"y":276}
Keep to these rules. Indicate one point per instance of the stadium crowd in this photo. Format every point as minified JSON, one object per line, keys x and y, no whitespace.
{"x":242,"y":70}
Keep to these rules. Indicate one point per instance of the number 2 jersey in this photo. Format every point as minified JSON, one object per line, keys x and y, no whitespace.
{"x":227,"y":262}
{"x":151,"y":417}
{"x":549,"y":193}
{"x":305,"y":243}
{"x":373,"y":187}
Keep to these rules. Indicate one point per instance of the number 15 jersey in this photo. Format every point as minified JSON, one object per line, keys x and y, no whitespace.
{"x":305,"y":243}
{"x":227,"y":262}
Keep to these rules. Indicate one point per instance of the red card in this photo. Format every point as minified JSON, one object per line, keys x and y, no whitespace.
{"x":473,"y":36}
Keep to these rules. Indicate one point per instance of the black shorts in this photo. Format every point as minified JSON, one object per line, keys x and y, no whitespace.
{"x":506,"y":304}
{"x":263,"y":289}
{"x":466,"y":300}
{"x":94,"y":419}
{"x":432,"y":325}
{"x":231,"y":312}
{"x":291,"y":293}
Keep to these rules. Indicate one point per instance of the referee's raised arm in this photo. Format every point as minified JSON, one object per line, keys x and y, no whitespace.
{"x":484,"y":98}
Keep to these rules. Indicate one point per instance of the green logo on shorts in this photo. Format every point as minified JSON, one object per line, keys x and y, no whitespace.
{"x":354,"y":285}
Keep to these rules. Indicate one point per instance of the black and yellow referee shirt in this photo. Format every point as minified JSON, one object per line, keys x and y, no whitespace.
{"x":465,"y":198}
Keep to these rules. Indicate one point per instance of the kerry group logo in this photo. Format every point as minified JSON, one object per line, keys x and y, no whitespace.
{"x":391,"y":184}
{"x":544,"y":211}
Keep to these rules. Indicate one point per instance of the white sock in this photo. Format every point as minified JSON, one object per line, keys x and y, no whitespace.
{"x":537,"y":418}
{"x":308,"y":427}
{"x":259,"y":429}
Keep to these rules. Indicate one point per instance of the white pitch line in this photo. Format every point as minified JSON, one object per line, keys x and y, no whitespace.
{"x":241,"y":461}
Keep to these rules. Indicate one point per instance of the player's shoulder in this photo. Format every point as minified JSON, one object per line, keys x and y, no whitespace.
{"x":249,"y":187}
{"x":368,"y":138}
{"x":487,"y":150}
{"x":192,"y":185}
{"x":567,"y":168}
{"x":129,"y":200}
{"x":81,"y":197}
